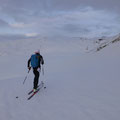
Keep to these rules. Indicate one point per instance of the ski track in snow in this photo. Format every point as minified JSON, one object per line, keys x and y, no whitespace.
{"x":80,"y":86}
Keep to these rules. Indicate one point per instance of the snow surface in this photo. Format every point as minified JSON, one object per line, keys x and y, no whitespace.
{"x":80,"y":85}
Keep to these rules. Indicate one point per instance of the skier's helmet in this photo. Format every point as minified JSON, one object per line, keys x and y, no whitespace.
{"x":37,"y":51}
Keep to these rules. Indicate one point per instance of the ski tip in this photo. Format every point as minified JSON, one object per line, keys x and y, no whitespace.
{"x":28,"y":99}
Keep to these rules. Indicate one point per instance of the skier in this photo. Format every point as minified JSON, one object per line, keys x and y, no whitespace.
{"x":36,"y":60}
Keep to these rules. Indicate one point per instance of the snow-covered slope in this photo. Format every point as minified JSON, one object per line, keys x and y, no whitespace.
{"x":79,"y":85}
{"x":104,"y":42}
{"x":26,"y":46}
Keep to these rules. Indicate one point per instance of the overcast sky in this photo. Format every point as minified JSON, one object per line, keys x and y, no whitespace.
{"x":87,"y":18}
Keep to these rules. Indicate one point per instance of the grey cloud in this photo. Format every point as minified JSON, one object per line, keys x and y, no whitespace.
{"x":3,"y":23}
{"x":22,"y":6}
{"x":26,"y":10}
{"x":59,"y":17}
{"x":97,"y":4}
{"x":72,"y":28}
{"x":25,"y":6}
{"x":12,"y":37}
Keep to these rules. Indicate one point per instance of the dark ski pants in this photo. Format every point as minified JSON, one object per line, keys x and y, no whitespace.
{"x":36,"y":78}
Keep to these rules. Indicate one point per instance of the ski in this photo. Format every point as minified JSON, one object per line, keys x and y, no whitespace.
{"x":37,"y":87}
{"x":33,"y":93}
{"x":30,"y":92}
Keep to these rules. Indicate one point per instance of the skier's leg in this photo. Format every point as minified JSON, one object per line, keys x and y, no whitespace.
{"x":36,"y":78}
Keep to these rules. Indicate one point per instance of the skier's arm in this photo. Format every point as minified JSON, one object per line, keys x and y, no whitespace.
{"x":29,"y":63}
{"x":42,"y":60}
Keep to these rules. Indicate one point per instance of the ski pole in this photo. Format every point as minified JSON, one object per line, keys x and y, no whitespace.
{"x":43,"y":75}
{"x":26,"y":76}
{"x":42,"y":69}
